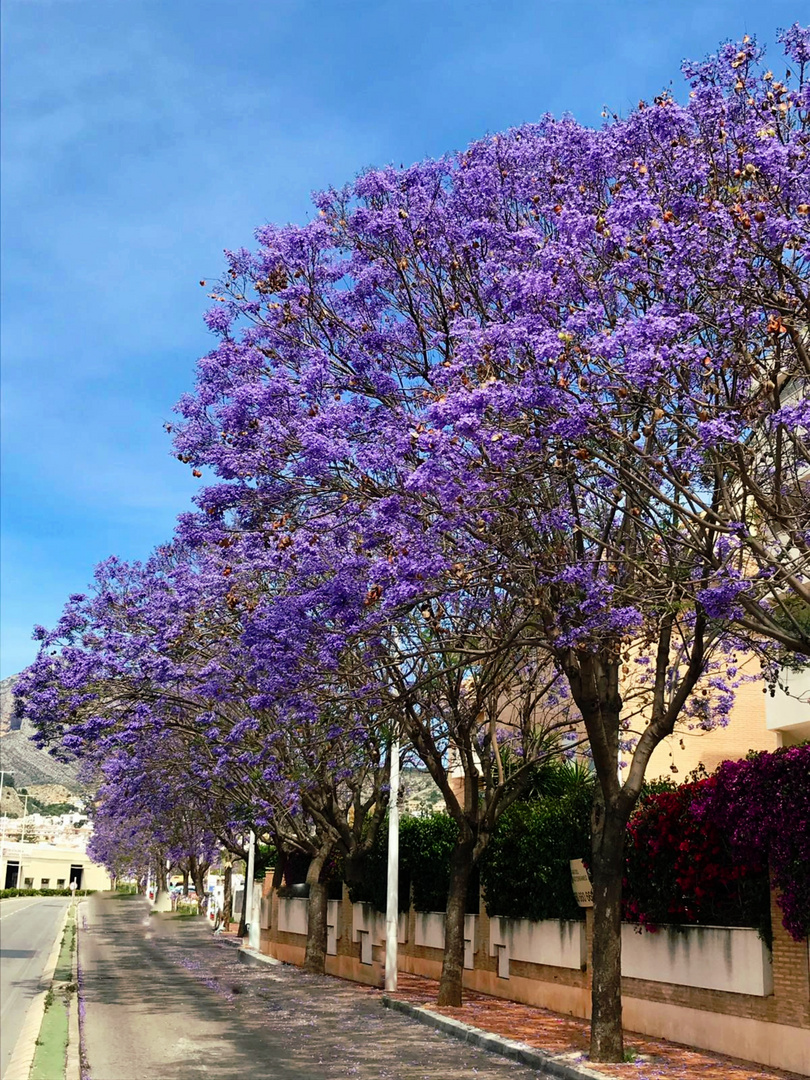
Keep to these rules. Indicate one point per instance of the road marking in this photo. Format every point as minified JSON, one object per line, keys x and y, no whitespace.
{"x":22,"y":1057}
{"x":25,"y":908}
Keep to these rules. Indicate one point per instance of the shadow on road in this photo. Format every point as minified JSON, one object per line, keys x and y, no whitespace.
{"x":181,"y":1006}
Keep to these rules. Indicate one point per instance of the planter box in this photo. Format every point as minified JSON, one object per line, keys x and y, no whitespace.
{"x":733,"y":959}
{"x":554,"y":942}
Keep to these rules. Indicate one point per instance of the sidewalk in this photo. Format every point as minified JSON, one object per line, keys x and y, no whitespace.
{"x":557,"y":1034}
{"x":163,"y":997}
{"x":359,"y":1038}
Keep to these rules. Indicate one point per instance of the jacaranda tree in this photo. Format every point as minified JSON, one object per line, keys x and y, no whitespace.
{"x":567,"y":369}
{"x":551,"y":361}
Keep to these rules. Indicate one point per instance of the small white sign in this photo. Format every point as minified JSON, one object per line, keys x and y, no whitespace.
{"x":583,"y":890}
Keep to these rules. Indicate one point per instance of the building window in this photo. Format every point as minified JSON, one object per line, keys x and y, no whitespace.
{"x":29,"y":883}
{"x":60,"y":883}
{"x":44,"y":883}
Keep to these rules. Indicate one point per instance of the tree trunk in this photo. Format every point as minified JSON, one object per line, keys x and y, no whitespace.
{"x":198,"y":872}
{"x":353,"y":867}
{"x":461,"y":865}
{"x":185,"y":883}
{"x":227,"y":896}
{"x":608,"y":835}
{"x":315,"y":957}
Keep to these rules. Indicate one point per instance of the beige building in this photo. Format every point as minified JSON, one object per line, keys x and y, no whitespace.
{"x":757,"y":722}
{"x":45,"y":866}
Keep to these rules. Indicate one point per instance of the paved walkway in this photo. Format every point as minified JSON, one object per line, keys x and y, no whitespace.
{"x":657,"y":1059}
{"x":163,"y":998}
{"x":556,"y":1033}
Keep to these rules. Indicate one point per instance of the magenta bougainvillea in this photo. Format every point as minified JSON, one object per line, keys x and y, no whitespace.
{"x":703,"y":853}
{"x":762,"y":804}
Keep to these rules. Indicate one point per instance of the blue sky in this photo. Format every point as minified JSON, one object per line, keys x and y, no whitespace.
{"x":142,"y":138}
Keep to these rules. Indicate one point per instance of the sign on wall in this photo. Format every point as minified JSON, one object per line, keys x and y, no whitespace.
{"x":583,"y":890}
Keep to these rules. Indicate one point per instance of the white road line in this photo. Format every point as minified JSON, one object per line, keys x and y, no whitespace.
{"x":22,"y":1057}
{"x":24,"y":908}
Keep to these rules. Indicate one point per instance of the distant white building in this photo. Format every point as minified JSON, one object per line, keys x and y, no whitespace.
{"x":47,"y":866}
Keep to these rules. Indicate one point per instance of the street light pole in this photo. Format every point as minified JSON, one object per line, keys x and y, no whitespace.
{"x":3,"y":833}
{"x":248,"y":897}
{"x":392,"y":896}
{"x":25,"y":815}
{"x":3,"y":837}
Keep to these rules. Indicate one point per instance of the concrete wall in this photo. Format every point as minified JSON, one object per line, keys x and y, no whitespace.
{"x":293,"y":915}
{"x":429,"y":934}
{"x":368,"y":929}
{"x":553,"y":942}
{"x":732,"y":959}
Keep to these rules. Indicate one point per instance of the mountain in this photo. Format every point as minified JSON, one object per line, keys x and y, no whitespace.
{"x":19,"y":756}
{"x":8,"y":721}
{"x":419,"y":793}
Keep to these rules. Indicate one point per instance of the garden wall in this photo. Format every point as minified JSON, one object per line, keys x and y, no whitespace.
{"x":712,"y":987}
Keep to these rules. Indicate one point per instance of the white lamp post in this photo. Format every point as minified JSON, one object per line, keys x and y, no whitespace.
{"x":25,"y":815}
{"x":392,"y":895}
{"x":3,"y":834}
{"x":254,"y":929}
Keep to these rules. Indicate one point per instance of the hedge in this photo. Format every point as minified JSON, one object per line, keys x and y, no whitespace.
{"x":696,"y":854}
{"x":425,"y":845}
{"x":7,"y":894}
{"x":525,"y":870}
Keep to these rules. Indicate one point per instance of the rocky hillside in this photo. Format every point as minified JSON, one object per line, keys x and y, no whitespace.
{"x":26,"y":763}
{"x":11,"y":803}
{"x":8,"y":721}
{"x":419,"y":792}
{"x":48,"y":794}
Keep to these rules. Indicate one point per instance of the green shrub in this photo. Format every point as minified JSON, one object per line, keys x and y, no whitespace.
{"x":7,"y":894}
{"x":425,"y":846}
{"x":525,"y":870}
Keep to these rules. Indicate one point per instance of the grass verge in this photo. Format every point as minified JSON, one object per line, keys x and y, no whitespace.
{"x":49,"y":1057}
{"x":51,"y":1045}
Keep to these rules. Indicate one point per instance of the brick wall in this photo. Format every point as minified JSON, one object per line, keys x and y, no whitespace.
{"x":791,"y":974}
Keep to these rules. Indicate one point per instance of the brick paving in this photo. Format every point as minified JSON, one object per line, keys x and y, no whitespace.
{"x":554,"y":1033}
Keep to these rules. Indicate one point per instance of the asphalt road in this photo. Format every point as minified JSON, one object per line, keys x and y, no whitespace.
{"x":28,"y":928}
{"x":163,"y":998}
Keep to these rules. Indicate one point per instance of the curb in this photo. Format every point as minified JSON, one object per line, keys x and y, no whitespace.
{"x":73,"y":1069}
{"x":22,"y":1057}
{"x":81,"y":924}
{"x":244,"y":955}
{"x":496,"y":1044}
